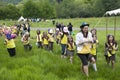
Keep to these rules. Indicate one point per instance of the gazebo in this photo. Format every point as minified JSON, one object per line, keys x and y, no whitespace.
{"x":114,"y":13}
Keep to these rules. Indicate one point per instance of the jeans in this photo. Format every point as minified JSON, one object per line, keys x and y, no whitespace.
{"x":63,"y":46}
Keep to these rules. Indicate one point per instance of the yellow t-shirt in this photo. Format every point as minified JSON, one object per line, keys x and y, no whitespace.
{"x":51,"y":39}
{"x":10,"y":43}
{"x":45,"y":41}
{"x":86,"y":49}
{"x":64,"y":39}
{"x":94,"y":47}
{"x":69,"y":46}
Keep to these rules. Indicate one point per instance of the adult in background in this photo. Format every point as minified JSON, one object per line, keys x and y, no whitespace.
{"x":83,"y":43}
{"x":62,"y":27}
{"x":58,"y":26}
{"x":53,"y":22}
{"x":70,"y":28}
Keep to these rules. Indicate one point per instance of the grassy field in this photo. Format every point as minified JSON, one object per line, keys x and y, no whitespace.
{"x":101,"y":22}
{"x":40,"y":64}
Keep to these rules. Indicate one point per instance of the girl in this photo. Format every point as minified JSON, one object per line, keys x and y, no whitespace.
{"x":83,"y":43}
{"x":39,"y":39}
{"x":26,"y":43}
{"x":64,"y":41}
{"x":70,"y":48}
{"x":93,"y":53}
{"x":45,"y":40}
{"x":51,"y":40}
{"x":94,"y":31}
{"x":110,"y":47}
{"x":9,"y":42}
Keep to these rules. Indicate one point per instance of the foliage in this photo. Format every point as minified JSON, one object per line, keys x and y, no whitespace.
{"x":9,"y":11}
{"x":60,"y":8}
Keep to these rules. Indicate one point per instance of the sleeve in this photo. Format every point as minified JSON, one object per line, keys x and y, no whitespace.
{"x":78,"y":39}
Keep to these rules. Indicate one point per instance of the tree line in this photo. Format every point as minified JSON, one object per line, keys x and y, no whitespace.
{"x":57,"y":8}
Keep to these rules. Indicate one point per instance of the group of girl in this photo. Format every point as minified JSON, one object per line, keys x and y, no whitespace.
{"x":10,"y":35}
{"x":85,"y":44}
{"x":46,"y":40}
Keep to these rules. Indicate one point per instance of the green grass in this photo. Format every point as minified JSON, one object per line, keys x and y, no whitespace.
{"x":40,"y":64}
{"x":101,"y":22}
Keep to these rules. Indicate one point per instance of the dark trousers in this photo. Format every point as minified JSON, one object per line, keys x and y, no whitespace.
{"x":40,"y":45}
{"x":28,"y":47}
{"x":58,"y":41}
{"x":45,"y":46}
{"x":11,"y":51}
{"x":50,"y":46}
{"x":63,"y":46}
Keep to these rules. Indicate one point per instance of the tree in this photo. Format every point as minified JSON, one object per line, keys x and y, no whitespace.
{"x":30,"y":10}
{"x":9,"y":12}
{"x":47,"y":10}
{"x":110,"y":4}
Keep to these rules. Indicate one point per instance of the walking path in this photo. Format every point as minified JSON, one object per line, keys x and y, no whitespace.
{"x":35,"y":28}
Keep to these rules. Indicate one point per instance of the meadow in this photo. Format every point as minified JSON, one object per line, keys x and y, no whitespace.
{"x":40,"y":64}
{"x":94,"y":22}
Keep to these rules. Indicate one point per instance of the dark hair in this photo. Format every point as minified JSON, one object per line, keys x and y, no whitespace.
{"x":69,"y":38}
{"x":45,"y":35}
{"x":85,"y":35}
{"x":113,"y":41}
{"x":108,"y":45}
{"x":95,"y":30}
{"x":70,"y":42}
{"x":38,"y":32}
{"x":70,"y":23}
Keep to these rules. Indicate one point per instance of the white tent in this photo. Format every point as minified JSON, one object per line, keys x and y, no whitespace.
{"x":113,"y":12}
{"x":21,"y":19}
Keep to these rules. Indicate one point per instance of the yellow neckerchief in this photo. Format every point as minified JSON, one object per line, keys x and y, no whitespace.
{"x":69,"y":46}
{"x":39,"y":38}
{"x":111,"y":47}
{"x":25,"y":41}
{"x":51,"y":38}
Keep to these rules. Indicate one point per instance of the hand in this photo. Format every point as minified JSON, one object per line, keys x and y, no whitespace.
{"x":5,"y":43}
